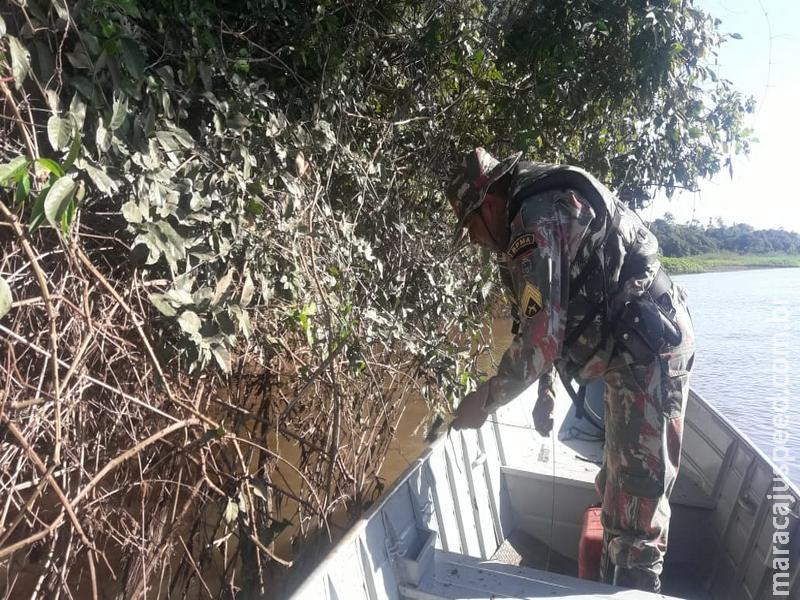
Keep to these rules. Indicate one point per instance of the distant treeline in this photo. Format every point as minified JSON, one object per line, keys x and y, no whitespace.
{"x":693,"y":238}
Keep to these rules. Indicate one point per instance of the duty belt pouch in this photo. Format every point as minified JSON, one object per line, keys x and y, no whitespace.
{"x":644,"y":329}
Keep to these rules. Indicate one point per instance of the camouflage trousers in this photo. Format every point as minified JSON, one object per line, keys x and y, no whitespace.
{"x":644,"y":412}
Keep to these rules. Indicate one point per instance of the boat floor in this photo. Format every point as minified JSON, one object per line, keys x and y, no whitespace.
{"x":520,"y":549}
{"x":523,"y":550}
{"x":575,"y":453}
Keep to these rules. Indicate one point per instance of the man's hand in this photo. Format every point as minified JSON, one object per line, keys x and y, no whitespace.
{"x":543,"y":411}
{"x":470,"y":413}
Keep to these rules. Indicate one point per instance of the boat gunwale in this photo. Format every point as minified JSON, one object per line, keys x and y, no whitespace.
{"x":748,"y":441}
{"x":361,"y":524}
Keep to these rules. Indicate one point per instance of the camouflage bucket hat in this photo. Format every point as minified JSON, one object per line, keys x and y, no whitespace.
{"x":468,"y":188}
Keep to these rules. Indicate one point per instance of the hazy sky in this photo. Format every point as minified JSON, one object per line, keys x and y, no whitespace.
{"x":765,"y":188}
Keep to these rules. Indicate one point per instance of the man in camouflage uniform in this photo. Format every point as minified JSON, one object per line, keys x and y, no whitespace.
{"x":592,"y":302}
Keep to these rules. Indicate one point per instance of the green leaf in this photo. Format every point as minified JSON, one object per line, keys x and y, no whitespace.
{"x":58,"y":198}
{"x":259,"y":488}
{"x":190,"y":322}
{"x":83,"y":85}
{"x":79,"y":59}
{"x":37,"y":212}
{"x":119,"y":114}
{"x":66,"y":217}
{"x":51,"y":166}
{"x":6,"y":299}
{"x":101,"y":180}
{"x":132,"y":57}
{"x":12,"y":172}
{"x":20,"y":61}
{"x":74,"y":149}
{"x":183,"y":137}
{"x":23,"y":188}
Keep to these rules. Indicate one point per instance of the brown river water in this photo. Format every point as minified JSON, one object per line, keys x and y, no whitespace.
{"x":409,"y":440}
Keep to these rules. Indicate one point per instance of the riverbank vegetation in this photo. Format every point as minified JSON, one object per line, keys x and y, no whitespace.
{"x":226,"y":257}
{"x":702,"y":263}
{"x":694,"y":248}
{"x":690,"y":239}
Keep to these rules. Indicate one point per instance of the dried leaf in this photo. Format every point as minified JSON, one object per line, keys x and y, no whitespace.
{"x":231,"y":512}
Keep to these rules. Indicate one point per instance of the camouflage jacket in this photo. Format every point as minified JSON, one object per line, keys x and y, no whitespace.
{"x":562,"y":305}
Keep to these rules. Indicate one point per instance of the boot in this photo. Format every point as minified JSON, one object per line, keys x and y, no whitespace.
{"x":637,"y":579}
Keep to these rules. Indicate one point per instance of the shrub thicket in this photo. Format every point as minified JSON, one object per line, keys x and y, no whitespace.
{"x":226,"y":259}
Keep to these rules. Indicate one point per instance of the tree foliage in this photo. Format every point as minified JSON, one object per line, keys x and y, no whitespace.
{"x":691,"y":239}
{"x":228,"y":216}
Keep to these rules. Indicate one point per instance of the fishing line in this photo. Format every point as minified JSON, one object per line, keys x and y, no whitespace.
{"x":553,"y":505}
{"x":553,"y":490}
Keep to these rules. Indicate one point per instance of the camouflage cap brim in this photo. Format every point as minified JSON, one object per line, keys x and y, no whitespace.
{"x":467,"y":190}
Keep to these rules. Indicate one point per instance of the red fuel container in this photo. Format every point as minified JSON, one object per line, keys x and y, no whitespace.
{"x":591,"y":545}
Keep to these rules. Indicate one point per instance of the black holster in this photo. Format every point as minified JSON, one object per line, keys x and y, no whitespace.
{"x":646,"y":325}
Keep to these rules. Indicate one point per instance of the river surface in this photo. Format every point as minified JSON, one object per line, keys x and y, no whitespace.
{"x":747,"y":325}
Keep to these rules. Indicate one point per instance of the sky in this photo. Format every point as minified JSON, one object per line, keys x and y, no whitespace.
{"x":765,"y":64}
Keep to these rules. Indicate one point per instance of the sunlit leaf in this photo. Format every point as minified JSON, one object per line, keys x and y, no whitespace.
{"x":51,"y":166}
{"x":163,"y":305}
{"x":101,"y":180}
{"x":223,"y":358}
{"x":231,"y":512}
{"x":11,"y":172}
{"x":6,"y":299}
{"x":131,"y":212}
{"x":190,"y":322}
{"x":59,"y":132}
{"x":119,"y":113}
{"x":20,"y":61}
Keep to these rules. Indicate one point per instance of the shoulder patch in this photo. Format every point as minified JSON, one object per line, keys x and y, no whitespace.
{"x":531,"y":300}
{"x":521,"y":244}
